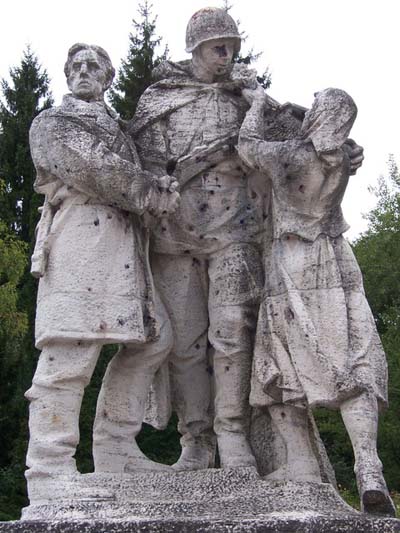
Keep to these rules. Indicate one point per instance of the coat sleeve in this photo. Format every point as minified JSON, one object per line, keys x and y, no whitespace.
{"x":65,"y":147}
{"x":268,"y":157}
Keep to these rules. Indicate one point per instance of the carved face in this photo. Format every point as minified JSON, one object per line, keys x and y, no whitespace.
{"x":216,"y":55}
{"x":87,"y":76}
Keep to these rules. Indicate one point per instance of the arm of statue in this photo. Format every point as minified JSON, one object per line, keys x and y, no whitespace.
{"x":66,"y":148}
{"x":252,"y":148}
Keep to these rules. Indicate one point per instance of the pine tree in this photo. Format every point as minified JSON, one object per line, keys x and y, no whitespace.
{"x":135,"y":74}
{"x":23,"y":98}
{"x":250,"y":57}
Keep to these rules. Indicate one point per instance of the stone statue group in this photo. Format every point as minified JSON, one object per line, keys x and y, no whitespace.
{"x":205,"y":238}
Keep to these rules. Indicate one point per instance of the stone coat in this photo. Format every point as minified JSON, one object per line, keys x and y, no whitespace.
{"x":97,"y":283}
{"x":316,"y":337}
{"x":190,"y":129}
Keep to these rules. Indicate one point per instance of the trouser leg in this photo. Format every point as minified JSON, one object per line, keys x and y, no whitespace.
{"x":235,"y":276}
{"x":182,"y":283}
{"x":122,"y":400}
{"x":293,"y":425}
{"x":360,"y":416}
{"x":229,"y":335}
{"x":55,"y":399}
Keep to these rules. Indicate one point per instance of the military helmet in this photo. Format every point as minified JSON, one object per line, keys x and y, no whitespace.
{"x":211,"y":23}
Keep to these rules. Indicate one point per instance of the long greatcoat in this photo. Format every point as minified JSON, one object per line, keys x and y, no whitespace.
{"x":97,"y":283}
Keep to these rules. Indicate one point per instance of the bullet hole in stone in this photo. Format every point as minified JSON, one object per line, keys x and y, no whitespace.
{"x":105,"y":414}
{"x":289,"y":177}
{"x":203,"y":207}
{"x":227,"y":207}
{"x":51,"y":358}
{"x":248,"y":207}
{"x":165,"y":212}
{"x":265,"y":216}
{"x":121,"y":322}
{"x":163,"y":228}
{"x":79,"y":343}
{"x":55,"y":166}
{"x":301,"y":188}
{"x":68,"y":170}
{"x":216,"y":293}
{"x":124,"y":195}
{"x":102,"y":325}
{"x":227,"y":369}
{"x":89,"y":289}
{"x":283,"y":415}
{"x":289,"y":315}
{"x":286,"y":165}
{"x":190,"y":228}
{"x":201,"y":237}
{"x":238,"y":168}
{"x":218,"y":332}
{"x":253,"y":195}
{"x":197,"y":346}
{"x":241,"y":221}
{"x":171,"y":165}
{"x":211,"y":192}
{"x":109,"y":216}
{"x":127,"y":266}
{"x":186,"y":252}
{"x":195,"y":261}
{"x":96,"y":222}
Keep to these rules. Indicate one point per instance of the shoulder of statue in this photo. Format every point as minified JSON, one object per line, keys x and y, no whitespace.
{"x":169,"y":70}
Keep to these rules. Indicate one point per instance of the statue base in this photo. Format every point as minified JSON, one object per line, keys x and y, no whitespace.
{"x":218,"y":501}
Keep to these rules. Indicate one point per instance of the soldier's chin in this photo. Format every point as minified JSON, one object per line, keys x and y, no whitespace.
{"x":224,"y":71}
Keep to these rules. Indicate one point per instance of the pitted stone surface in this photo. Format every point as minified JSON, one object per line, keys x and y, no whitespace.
{"x":274,"y":524}
{"x":214,"y":494}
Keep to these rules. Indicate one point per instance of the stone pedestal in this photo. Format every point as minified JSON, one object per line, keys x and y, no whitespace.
{"x":219,"y":501}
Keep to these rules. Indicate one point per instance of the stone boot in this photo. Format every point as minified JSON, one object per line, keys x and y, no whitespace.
{"x":374,"y":494}
{"x":197,"y":454}
{"x":119,"y":415}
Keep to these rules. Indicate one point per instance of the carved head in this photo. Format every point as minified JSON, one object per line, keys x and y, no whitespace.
{"x":213,"y":38}
{"x":329,"y":121}
{"x":89,"y":71}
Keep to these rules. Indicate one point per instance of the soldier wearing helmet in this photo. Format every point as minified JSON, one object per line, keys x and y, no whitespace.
{"x":205,"y":260}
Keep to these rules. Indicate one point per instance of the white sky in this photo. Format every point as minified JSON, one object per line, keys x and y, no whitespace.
{"x":307,"y":44}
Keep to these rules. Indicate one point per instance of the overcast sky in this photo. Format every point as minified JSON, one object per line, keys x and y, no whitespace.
{"x":308,"y":45}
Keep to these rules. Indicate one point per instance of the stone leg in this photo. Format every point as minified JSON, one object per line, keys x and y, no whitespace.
{"x":360,"y":416}
{"x":55,"y":398}
{"x":230,"y":328}
{"x":293,"y":425}
{"x":183,"y":286}
{"x":122,"y":401}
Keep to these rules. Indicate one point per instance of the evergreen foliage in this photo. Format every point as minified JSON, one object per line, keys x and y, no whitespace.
{"x":135,"y":73}
{"x":23,"y":98}
{"x":250,"y":57}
